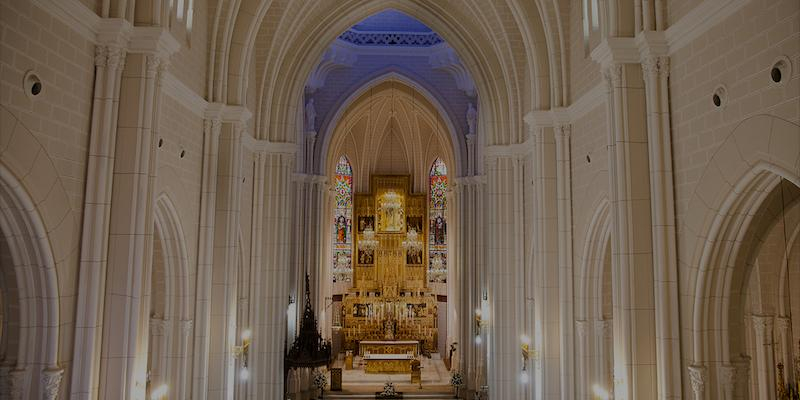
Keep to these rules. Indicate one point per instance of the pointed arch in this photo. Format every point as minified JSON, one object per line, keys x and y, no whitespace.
{"x":437,"y":221}
{"x":343,"y":221}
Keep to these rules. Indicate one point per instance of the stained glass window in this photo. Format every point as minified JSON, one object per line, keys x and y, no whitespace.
{"x":437,"y":232}
{"x":343,"y":221}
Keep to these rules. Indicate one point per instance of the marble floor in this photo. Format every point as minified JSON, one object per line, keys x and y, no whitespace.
{"x":435,"y":376}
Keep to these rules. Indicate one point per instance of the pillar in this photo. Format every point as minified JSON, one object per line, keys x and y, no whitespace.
{"x":212,"y":126}
{"x":270,"y":269}
{"x":632,"y":260}
{"x":698,"y":377}
{"x":565,"y":273}
{"x":505,"y":279}
{"x":764,"y":356}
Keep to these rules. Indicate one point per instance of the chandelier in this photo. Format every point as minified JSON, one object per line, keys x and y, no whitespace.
{"x":342,"y":271}
{"x":412,"y":244}
{"x":391,"y":201}
{"x":368,"y":242}
{"x":437,"y":271}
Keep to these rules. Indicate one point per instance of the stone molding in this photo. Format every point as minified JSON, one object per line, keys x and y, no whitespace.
{"x":51,"y":383}
{"x":698,"y":375}
{"x":408,"y":39}
{"x":444,"y":58}
{"x":17,"y":383}
{"x":762,"y":324}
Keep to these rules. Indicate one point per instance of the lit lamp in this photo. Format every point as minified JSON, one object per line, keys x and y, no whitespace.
{"x":242,"y":351}
{"x":159,"y":393}
{"x":600,"y":393}
{"x":478,"y":325}
{"x":412,"y":243}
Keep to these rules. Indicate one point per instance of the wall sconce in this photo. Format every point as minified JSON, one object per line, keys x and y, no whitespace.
{"x":479,"y":322}
{"x":242,"y":351}
{"x":159,"y":393}
{"x":291,"y":299}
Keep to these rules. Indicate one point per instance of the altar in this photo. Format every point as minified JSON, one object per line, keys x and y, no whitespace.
{"x":388,"y":363}
{"x":388,"y":347}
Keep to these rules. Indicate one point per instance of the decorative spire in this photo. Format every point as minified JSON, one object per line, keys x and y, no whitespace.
{"x":309,"y":349}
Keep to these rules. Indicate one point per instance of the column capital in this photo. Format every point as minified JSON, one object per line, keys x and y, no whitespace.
{"x":783,"y":323}
{"x":698,"y":375}
{"x":17,"y":383}
{"x":582,"y":328}
{"x":655,"y":65}
{"x":762,"y":324}
{"x":158,"y":326}
{"x":51,"y":382}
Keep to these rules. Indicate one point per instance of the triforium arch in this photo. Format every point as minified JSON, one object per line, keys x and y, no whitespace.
{"x":508,"y":85}
{"x":426,"y":97}
{"x":30,"y":352}
{"x":760,"y":152}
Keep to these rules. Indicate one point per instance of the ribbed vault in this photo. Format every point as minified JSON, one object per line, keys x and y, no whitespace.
{"x":390,"y":129}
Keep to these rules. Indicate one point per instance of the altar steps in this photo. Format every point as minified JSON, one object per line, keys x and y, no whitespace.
{"x":414,"y":396}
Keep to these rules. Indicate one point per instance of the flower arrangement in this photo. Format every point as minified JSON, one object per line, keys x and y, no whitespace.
{"x":457,"y":380}
{"x":389,"y":391}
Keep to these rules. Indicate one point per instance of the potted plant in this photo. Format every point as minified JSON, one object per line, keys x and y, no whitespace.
{"x":457,"y":380}
{"x":320,"y":381}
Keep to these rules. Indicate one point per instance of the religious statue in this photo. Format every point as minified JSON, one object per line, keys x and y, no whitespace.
{"x":311,"y":115}
{"x":341,"y":229}
{"x":472,"y":118}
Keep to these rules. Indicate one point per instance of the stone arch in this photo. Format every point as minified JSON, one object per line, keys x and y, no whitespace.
{"x":391,"y":76}
{"x":591,"y":269}
{"x":36,"y":212}
{"x":497,"y":75}
{"x":167,"y":222}
{"x":753,"y":159}
{"x":35,"y":364}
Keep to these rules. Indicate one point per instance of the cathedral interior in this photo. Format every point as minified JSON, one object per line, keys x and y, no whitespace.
{"x":420,"y":199}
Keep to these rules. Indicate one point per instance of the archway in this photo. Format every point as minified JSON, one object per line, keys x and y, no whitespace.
{"x":30,"y":297}
{"x":728,"y":213}
{"x":170,"y":303}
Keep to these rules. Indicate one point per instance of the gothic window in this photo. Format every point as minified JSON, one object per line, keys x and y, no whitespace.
{"x":437,"y":232}
{"x":342,"y":221}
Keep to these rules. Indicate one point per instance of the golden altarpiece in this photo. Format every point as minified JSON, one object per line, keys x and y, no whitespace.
{"x":389,"y":309}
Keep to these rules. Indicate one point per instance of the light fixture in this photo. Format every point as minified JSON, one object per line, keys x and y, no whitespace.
{"x":526,"y":353}
{"x":342,"y":271}
{"x":600,"y":393}
{"x":523,"y":377}
{"x":391,"y":201}
{"x":159,"y":393}
{"x":368,"y":242}
{"x":412,"y":244}
{"x":242,"y":351}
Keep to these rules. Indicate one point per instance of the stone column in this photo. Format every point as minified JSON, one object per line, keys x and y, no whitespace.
{"x":632,"y":262}
{"x":584,"y":359}
{"x":181,"y":368}
{"x":655,"y":65}
{"x":547,"y":335}
{"x":698,"y":377}
{"x":109,"y":63}
{"x":565,"y":275}
{"x":158,"y":372}
{"x":784,"y":352}
{"x":208,"y":199}
{"x":604,"y":353}
{"x":123,"y":356}
{"x":270,"y":274}
{"x":727,"y":380}
{"x":504,"y":244}
{"x":310,"y":231}
{"x":469,"y":245}
{"x":764,"y":356}
{"x":225,"y":267}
